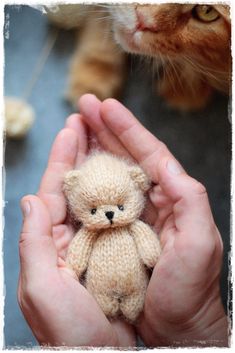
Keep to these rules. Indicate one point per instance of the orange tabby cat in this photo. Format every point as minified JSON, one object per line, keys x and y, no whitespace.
{"x":191,"y":42}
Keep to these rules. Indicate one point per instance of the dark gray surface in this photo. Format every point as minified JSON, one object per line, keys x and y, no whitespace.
{"x":201,"y":141}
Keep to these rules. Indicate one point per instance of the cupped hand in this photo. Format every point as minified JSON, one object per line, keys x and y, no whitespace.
{"x":57,"y":307}
{"x":183,"y":303}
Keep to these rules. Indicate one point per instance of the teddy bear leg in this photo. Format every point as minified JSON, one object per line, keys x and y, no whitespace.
{"x":108,"y":304}
{"x":132,"y":305}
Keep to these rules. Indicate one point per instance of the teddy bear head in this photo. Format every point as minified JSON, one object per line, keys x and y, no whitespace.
{"x":106,"y":191}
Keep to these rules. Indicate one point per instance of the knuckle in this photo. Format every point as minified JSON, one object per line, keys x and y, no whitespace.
{"x":25,"y":241}
{"x":199,"y":188}
{"x":24,"y":198}
{"x":162,"y":147}
{"x":23,"y":237}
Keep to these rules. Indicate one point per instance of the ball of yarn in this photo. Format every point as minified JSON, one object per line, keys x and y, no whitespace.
{"x":19,"y":117}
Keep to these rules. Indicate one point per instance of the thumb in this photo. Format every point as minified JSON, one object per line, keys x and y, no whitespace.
{"x":36,"y":246}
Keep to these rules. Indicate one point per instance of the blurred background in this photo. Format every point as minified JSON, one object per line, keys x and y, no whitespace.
{"x":201,"y":141}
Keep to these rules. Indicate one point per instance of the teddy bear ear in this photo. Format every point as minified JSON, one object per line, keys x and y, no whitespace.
{"x":70,"y":181}
{"x":139,"y":178}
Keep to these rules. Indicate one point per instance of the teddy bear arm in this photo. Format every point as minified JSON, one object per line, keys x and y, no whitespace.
{"x":79,"y":251}
{"x":147,"y":243}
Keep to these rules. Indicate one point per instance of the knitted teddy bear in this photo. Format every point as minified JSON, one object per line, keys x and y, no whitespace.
{"x":113,"y":247}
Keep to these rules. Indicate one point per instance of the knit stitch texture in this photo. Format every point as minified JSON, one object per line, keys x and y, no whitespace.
{"x":113,"y":247}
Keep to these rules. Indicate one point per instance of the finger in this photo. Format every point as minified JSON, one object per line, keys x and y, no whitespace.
{"x":126,"y":335}
{"x":159,"y":198}
{"x":76,"y":123}
{"x":36,"y":246}
{"x":149,"y":214}
{"x":62,"y":266}
{"x":144,"y":147}
{"x":163,"y":216}
{"x":191,"y":204}
{"x":94,"y":143}
{"x":62,"y":236}
{"x":62,"y":159}
{"x":196,"y":228}
{"x":89,"y":106}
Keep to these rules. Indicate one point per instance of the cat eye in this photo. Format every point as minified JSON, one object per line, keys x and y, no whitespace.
{"x":205,"y":13}
{"x":93,"y":211}
{"x":121,"y":207}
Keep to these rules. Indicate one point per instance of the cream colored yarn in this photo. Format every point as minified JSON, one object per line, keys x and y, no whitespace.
{"x":114,"y":248}
{"x":19,"y":117}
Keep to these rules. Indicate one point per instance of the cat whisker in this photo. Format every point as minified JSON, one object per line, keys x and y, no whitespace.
{"x":151,"y":61}
{"x":181,"y":78}
{"x":98,"y":19}
{"x":153,"y":70}
{"x":106,"y":5}
{"x":141,"y":63}
{"x":205,"y":71}
{"x":89,"y":9}
{"x":175,"y":69}
{"x":163,"y":67}
{"x":170,"y":79}
{"x":166,"y":72}
{"x":148,"y":62}
{"x":204,"y":68}
{"x":92,"y":10}
{"x":198,"y":70}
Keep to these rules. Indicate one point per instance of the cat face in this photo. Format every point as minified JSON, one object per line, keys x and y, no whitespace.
{"x":175,"y":31}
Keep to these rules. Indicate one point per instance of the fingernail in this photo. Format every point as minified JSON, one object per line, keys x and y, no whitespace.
{"x":174,"y":167}
{"x":26,"y":208}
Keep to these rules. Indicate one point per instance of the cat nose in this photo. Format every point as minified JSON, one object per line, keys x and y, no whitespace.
{"x":145,"y":21}
{"x":109,"y":215}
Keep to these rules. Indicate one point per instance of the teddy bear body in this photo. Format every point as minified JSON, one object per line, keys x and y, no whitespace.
{"x":116,"y":273}
{"x":113,"y":248}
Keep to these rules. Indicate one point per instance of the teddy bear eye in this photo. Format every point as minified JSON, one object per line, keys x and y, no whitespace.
{"x":93,"y":211}
{"x":121,"y":207}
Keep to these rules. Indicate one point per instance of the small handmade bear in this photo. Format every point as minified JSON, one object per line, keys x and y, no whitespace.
{"x":114,"y":248}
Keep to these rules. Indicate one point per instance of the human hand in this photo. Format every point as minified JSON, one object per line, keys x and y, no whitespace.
{"x":183,"y":304}
{"x":57,"y":307}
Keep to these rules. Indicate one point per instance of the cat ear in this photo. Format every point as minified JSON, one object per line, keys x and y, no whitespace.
{"x":70,"y":181}
{"x":139,"y":178}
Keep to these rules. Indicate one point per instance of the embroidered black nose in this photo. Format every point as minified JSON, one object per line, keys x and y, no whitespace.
{"x":109,"y":215}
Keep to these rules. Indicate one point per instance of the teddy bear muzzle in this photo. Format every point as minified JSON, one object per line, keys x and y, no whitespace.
{"x":110,"y":215}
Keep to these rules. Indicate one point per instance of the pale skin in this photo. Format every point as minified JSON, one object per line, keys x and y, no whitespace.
{"x":183,"y":304}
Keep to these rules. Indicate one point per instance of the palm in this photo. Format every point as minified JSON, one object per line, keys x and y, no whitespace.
{"x":73,"y":307}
